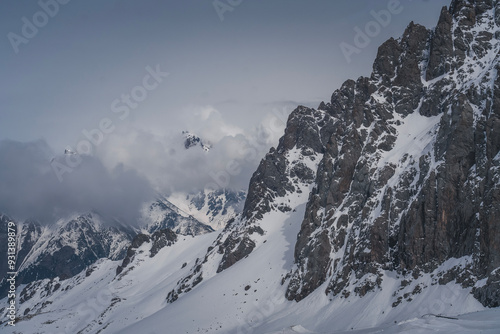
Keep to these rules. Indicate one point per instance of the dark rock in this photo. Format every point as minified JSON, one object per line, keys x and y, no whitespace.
{"x":137,"y":242}
{"x":236,"y":249}
{"x":441,"y":49}
{"x":161,"y":239}
{"x":489,"y":294}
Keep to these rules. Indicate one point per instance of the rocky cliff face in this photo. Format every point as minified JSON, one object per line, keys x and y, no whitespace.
{"x":404,"y":167}
{"x":410,"y":178}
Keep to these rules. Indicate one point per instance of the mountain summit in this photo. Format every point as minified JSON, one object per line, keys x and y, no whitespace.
{"x":192,"y":140}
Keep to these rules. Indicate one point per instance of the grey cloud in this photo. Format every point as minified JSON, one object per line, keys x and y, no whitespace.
{"x":30,"y":189}
{"x":171,"y":168}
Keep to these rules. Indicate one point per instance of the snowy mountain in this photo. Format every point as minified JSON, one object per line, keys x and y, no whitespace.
{"x":377,"y":212}
{"x":192,"y":140}
{"x":403,"y":168}
{"x":212,"y":207}
{"x":162,"y":214}
{"x":72,"y":244}
{"x":66,"y":248}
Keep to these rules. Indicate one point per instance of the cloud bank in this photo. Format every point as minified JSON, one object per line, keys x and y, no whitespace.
{"x":234,"y":155}
{"x":30,"y":189}
{"x":130,"y":167}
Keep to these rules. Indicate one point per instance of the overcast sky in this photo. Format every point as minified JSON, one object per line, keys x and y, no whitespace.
{"x":232,"y":66}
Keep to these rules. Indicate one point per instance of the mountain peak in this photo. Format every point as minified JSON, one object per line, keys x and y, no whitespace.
{"x":192,"y":140}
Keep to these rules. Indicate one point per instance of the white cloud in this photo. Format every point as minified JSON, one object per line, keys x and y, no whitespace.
{"x":235,"y":153}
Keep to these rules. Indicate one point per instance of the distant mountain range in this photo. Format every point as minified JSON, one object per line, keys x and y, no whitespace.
{"x":73,"y":243}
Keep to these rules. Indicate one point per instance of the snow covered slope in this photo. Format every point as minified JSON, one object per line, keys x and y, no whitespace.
{"x":249,"y":296}
{"x":163,"y":214}
{"x":212,"y":207}
{"x":100,"y":298}
{"x":73,"y":243}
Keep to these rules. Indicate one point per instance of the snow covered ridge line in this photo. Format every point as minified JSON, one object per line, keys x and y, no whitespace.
{"x":212,"y":207}
{"x":74,"y":243}
{"x":122,"y":106}
{"x":66,"y":248}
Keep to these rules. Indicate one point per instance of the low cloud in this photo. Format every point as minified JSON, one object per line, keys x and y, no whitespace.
{"x":130,"y":167}
{"x":234,"y":155}
{"x":30,"y":188}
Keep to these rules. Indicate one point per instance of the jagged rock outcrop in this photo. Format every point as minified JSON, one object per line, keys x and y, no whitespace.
{"x":405,"y":171}
{"x":383,"y":202}
{"x":192,"y":140}
{"x":159,"y":239}
{"x":308,"y":131}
